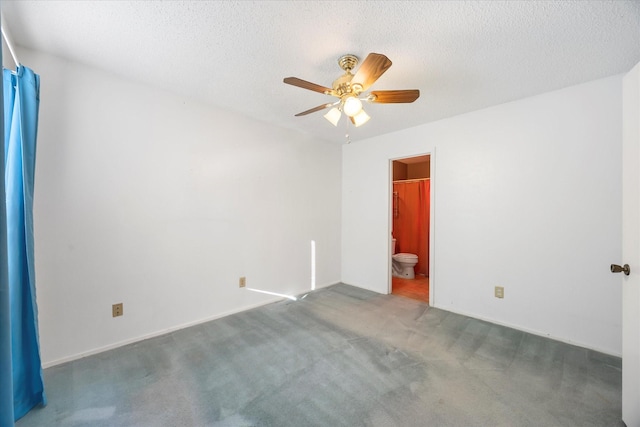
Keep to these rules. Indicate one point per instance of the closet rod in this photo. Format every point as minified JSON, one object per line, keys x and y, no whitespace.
{"x":7,"y":38}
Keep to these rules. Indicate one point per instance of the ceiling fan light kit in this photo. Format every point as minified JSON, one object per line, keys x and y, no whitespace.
{"x":348,"y":88}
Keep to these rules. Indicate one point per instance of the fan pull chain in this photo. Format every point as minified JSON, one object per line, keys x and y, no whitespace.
{"x":346,"y":135}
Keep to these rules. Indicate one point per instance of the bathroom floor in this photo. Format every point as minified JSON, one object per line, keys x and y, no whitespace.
{"x":417,"y":288}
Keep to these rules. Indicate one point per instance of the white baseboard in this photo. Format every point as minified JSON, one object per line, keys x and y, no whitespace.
{"x":527,"y":330}
{"x":167,"y":330}
{"x":154,"y":334}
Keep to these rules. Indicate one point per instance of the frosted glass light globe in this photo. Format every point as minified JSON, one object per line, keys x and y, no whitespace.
{"x":352,"y":106}
{"x":333,"y":116}
{"x":361,"y":118}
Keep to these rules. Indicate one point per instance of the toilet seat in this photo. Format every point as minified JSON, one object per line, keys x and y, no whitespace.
{"x":405,"y":257}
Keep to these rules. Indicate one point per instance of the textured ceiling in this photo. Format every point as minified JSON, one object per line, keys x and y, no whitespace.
{"x":462,"y":55}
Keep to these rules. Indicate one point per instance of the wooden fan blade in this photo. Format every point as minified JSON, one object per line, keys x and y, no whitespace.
{"x":313,"y":110}
{"x":307,"y":85}
{"x":394,"y":96}
{"x":371,"y":69}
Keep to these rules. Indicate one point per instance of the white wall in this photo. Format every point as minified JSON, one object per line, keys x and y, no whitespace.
{"x":161,"y":203}
{"x":527,"y":196}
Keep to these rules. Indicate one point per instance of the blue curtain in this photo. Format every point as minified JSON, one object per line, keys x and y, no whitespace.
{"x":19,"y":345}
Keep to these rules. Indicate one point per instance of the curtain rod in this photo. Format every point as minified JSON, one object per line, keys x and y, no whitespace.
{"x":7,"y":38}
{"x":411,"y":180}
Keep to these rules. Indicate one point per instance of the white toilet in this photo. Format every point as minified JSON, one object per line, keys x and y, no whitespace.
{"x":403,"y":264}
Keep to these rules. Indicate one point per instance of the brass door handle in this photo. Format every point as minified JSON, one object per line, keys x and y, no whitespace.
{"x":615,"y":268}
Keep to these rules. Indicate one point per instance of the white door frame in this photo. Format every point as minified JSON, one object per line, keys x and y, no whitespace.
{"x":631,"y":247}
{"x":432,"y":170}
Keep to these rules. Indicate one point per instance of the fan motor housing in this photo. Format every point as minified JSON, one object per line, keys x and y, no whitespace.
{"x":342,"y":85}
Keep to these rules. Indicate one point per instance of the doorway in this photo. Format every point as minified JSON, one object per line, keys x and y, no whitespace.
{"x":410,"y":227}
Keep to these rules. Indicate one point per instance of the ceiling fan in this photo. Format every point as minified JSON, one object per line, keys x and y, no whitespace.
{"x":349,"y":88}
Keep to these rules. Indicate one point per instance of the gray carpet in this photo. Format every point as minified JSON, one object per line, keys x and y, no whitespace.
{"x":340,"y":357}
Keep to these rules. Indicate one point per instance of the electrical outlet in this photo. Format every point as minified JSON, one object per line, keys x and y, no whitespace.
{"x":499,"y":292}
{"x":243,"y":282}
{"x":117,"y":310}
